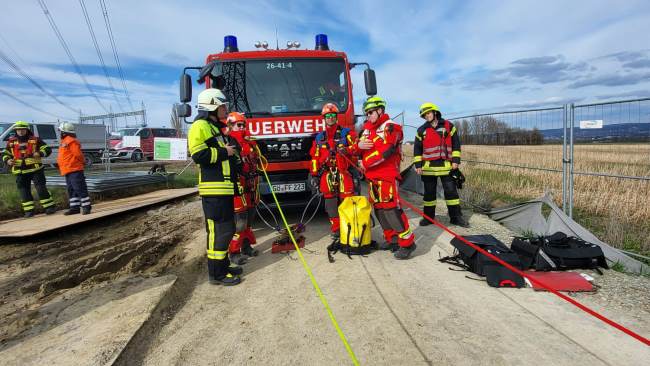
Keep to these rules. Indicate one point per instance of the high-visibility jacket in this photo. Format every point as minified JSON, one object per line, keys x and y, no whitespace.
{"x":22,"y":150}
{"x":218,"y":171}
{"x":384,"y":158}
{"x":436,"y":148}
{"x":71,"y":158}
{"x":328,"y":146}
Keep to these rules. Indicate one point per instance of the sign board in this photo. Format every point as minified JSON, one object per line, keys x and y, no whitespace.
{"x":169,"y":149}
{"x":598,"y":123}
{"x":131,"y":141}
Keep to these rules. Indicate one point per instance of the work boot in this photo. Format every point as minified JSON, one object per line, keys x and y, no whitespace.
{"x":85,"y":210}
{"x":235,"y":270}
{"x":237,"y":258}
{"x":28,"y":214}
{"x":50,"y":210}
{"x":388,"y":246}
{"x":404,"y":252}
{"x":248,"y":249}
{"x":72,"y":211}
{"x":459,"y":221}
{"x":429,"y":211}
{"x":227,"y":280}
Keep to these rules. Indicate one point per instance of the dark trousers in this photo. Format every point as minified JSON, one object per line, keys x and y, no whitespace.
{"x":77,"y":190}
{"x":451,"y":195}
{"x":24,"y":184}
{"x":219,"y":212}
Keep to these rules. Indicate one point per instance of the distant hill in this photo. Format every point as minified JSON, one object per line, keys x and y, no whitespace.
{"x":612,"y":132}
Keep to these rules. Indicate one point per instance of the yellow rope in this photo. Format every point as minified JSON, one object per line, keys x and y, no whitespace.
{"x":308,"y":270}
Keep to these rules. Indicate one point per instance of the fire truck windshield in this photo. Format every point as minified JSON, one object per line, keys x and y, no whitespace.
{"x":285,"y":86}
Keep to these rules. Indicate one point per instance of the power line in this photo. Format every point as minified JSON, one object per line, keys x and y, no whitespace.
{"x":99,"y":53}
{"x":67,"y":51}
{"x":30,"y":106}
{"x":114,"y":47}
{"x":15,"y":67}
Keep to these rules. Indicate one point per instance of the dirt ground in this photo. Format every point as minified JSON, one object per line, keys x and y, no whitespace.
{"x":392,"y":312}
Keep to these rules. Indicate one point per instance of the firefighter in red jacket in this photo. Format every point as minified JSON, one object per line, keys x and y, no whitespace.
{"x":329,"y":170}
{"x":436,"y":154}
{"x":23,"y":154}
{"x":249,"y":197}
{"x":71,"y":163}
{"x":380,"y":147}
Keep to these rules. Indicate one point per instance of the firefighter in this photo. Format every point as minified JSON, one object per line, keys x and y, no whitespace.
{"x":330,"y":172}
{"x":71,"y":163}
{"x":437,"y":155}
{"x":216,"y":156}
{"x":380,"y":147}
{"x":23,"y":154}
{"x":249,"y":195}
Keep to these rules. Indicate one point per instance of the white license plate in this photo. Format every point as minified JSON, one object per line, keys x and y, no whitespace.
{"x":289,"y":187}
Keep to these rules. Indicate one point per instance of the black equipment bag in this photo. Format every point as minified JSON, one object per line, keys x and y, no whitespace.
{"x":476,"y":262}
{"x":559,"y":252}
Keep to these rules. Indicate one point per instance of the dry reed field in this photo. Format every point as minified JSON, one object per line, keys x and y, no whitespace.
{"x":617,"y":210}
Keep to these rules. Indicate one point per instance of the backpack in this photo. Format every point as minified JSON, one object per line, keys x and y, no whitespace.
{"x":355,"y":227}
{"x":472,"y":260}
{"x":559,"y":252}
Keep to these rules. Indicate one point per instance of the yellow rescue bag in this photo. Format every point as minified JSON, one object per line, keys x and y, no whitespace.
{"x":356,"y":225}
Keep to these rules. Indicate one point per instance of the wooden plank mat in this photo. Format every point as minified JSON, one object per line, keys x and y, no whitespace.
{"x":21,"y":228}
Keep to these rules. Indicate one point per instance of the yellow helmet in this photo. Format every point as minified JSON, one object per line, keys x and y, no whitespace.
{"x":428,"y":107}
{"x":21,"y":124}
{"x":374,"y":102}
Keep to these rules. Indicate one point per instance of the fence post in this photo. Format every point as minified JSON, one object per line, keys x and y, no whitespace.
{"x":571,"y":161}
{"x":564,"y":160}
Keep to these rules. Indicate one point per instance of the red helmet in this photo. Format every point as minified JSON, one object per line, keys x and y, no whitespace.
{"x":234,"y":117}
{"x":329,"y":108}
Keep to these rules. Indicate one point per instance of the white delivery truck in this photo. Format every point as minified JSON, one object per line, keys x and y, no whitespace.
{"x":93,"y":139}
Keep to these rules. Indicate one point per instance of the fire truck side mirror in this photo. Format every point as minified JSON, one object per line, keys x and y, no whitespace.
{"x":183,"y":110}
{"x":371,"y":82}
{"x":185,"y":88}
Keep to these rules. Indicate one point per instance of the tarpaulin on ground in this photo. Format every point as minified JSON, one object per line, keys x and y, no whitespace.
{"x":527,"y":218}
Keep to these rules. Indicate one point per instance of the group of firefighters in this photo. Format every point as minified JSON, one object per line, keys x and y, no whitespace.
{"x":229,"y":158}
{"x":24,"y":153}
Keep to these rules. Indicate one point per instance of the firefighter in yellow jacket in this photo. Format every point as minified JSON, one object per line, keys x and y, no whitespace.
{"x":23,"y":154}
{"x":437,"y":155}
{"x":217,"y":157}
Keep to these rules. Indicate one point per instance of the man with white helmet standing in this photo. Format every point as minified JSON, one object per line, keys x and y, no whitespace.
{"x":218,"y":161}
{"x":71,"y":163}
{"x":23,"y":154}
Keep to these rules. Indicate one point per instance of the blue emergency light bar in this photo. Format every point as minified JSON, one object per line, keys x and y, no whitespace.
{"x":230,"y":44}
{"x":321,"y":42}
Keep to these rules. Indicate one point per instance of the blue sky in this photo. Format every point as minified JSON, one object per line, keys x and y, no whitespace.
{"x":464,"y":56}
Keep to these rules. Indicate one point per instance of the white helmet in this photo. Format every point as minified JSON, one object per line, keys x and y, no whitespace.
{"x":211,"y":99}
{"x":66,"y":127}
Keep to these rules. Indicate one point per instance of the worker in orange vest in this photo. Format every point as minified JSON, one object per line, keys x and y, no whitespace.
{"x":71,"y":163}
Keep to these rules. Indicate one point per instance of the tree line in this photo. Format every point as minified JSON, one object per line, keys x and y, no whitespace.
{"x":487,"y":130}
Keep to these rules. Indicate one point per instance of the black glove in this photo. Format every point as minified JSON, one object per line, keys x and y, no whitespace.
{"x":458,"y":177}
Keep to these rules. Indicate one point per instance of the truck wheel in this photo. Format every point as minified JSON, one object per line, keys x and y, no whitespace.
{"x":136,"y":155}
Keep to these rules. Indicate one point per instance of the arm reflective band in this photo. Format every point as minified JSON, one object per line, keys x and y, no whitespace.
{"x":455,"y":154}
{"x":417,"y":159}
{"x":453,"y":131}
{"x":374,"y":153}
{"x":197,"y":148}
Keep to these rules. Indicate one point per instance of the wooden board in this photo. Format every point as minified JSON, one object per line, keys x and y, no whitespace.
{"x":22,"y":228}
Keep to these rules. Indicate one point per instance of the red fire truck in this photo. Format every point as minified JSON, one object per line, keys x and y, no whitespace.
{"x":281,"y":92}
